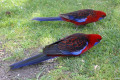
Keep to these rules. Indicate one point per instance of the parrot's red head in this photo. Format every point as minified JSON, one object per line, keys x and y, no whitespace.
{"x":94,"y":39}
{"x":100,"y":15}
{"x":96,"y":16}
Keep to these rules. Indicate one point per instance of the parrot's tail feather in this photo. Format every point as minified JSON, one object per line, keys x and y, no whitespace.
{"x":47,"y":19}
{"x":32,"y":60}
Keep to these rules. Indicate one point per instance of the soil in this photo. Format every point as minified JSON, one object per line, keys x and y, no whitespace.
{"x":28,"y":72}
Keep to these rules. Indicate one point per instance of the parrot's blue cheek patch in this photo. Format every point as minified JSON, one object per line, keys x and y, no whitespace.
{"x":100,"y":18}
{"x":96,"y":43}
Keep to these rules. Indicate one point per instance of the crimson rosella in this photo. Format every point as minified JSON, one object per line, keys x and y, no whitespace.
{"x":80,"y":17}
{"x":73,"y":45}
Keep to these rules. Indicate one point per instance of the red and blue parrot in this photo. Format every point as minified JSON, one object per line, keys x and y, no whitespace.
{"x":73,"y":45}
{"x":80,"y":17}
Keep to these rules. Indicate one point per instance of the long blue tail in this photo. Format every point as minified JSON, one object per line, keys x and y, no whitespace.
{"x":32,"y":60}
{"x":47,"y":19}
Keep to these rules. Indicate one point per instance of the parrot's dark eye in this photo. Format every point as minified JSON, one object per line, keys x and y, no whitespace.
{"x":98,"y":40}
{"x":103,"y":16}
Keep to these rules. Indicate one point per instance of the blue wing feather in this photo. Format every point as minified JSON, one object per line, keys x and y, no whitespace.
{"x":77,"y":19}
{"x":81,"y":20}
{"x":75,"y":52}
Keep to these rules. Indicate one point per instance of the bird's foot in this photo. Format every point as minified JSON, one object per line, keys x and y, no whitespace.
{"x":94,"y":24}
{"x":76,"y":27}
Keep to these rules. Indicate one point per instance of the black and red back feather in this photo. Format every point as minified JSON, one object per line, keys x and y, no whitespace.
{"x":78,"y":14}
{"x":71,"y":43}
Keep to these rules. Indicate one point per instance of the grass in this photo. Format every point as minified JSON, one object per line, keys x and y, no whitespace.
{"x":18,"y":33}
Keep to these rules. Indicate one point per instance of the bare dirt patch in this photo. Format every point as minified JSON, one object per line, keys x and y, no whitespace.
{"x":28,"y":72}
